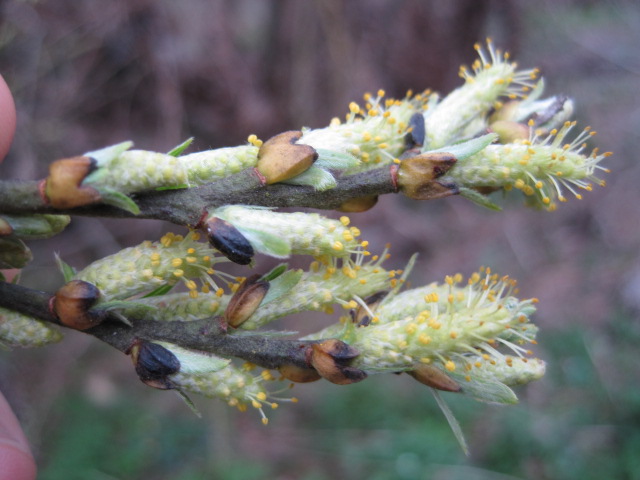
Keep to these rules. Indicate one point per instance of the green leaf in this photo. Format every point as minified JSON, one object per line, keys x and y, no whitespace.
{"x":266,"y":243}
{"x":282,"y":285}
{"x":486,"y":390}
{"x":161,"y":290}
{"x":478,"y":198}
{"x":337,"y":160}
{"x":467,"y":148}
{"x":120,"y":200}
{"x":68,"y":272}
{"x":316,"y":177}
{"x":105,"y":155}
{"x":189,"y":402}
{"x":177,"y":150}
{"x":275,"y":273}
{"x":453,"y":423}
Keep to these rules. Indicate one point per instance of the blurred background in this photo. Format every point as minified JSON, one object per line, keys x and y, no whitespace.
{"x":89,"y":74}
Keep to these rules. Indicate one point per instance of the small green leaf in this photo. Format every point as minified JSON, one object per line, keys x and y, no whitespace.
{"x":267,"y":243}
{"x":336,"y":160}
{"x":453,"y":423}
{"x":105,"y":155}
{"x":316,"y":177}
{"x":176,"y":151}
{"x":274,"y":273}
{"x":68,"y":272}
{"x":189,"y":402}
{"x":282,"y":285}
{"x":120,"y":200}
{"x":485,"y":390}
{"x":161,"y":290}
{"x":478,"y":198}
{"x":467,"y":148}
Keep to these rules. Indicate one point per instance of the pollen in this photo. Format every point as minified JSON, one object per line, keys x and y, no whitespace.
{"x":338,"y":246}
{"x":450,"y":366}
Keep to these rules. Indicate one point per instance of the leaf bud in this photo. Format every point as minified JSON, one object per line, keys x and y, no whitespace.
{"x":435,"y":378}
{"x":62,"y":186}
{"x":154,"y":364}
{"x":299,"y":374}
{"x":416,"y":175}
{"x":227,"y":239}
{"x":246,"y":300}
{"x":509,"y":131}
{"x":281,"y":158}
{"x":360,"y":204}
{"x":331,"y":357}
{"x":72,"y":304}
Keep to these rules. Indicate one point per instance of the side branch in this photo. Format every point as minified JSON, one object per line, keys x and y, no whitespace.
{"x":186,"y":206}
{"x":207,"y":335}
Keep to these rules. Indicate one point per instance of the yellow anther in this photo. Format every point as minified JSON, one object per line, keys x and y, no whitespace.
{"x":344,"y":220}
{"x":219,"y":292}
{"x":193,"y":293}
{"x":354,"y":107}
{"x":450,"y":366}
{"x":178,"y":272}
{"x":338,"y":246}
{"x":424,"y":339}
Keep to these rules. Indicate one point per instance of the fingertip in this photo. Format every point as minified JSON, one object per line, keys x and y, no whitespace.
{"x":15,"y":464}
{"x":7,"y":118}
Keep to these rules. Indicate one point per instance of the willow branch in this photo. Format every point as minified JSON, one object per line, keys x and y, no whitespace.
{"x":186,"y":206}
{"x":207,"y":335}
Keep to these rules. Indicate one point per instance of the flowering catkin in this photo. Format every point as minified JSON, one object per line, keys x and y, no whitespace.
{"x":17,"y":330}
{"x":150,"y":265}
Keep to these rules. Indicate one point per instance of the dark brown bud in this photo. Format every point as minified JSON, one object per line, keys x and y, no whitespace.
{"x":361,"y":204}
{"x":416,"y":175}
{"x":415,"y":138}
{"x":331,"y":358}
{"x":63,"y":188}
{"x":432,"y":190}
{"x":435,"y":378}
{"x":361,"y":315}
{"x":509,"y":131}
{"x":72,"y":304}
{"x":281,"y":158}
{"x":227,"y":239}
{"x":246,"y":300}
{"x":154,"y":364}
{"x":299,"y":374}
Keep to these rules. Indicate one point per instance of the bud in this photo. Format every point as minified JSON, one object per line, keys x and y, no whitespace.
{"x":63,"y":185}
{"x":18,"y":330}
{"x":152,"y":265}
{"x":229,"y":241}
{"x":154,"y":364}
{"x":281,"y":158}
{"x":331,"y":359}
{"x":509,"y":131}
{"x":299,"y":374}
{"x":72,"y":304}
{"x":33,"y":226}
{"x":492,"y":77}
{"x":434,"y":377}
{"x":362,"y":316}
{"x":246,"y":300}
{"x":14,"y":253}
{"x":416,"y":175}
{"x":360,"y":204}
{"x":282,"y":234}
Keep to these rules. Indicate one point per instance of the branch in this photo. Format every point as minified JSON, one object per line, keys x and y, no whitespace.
{"x":208,"y":335}
{"x":187,"y":206}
